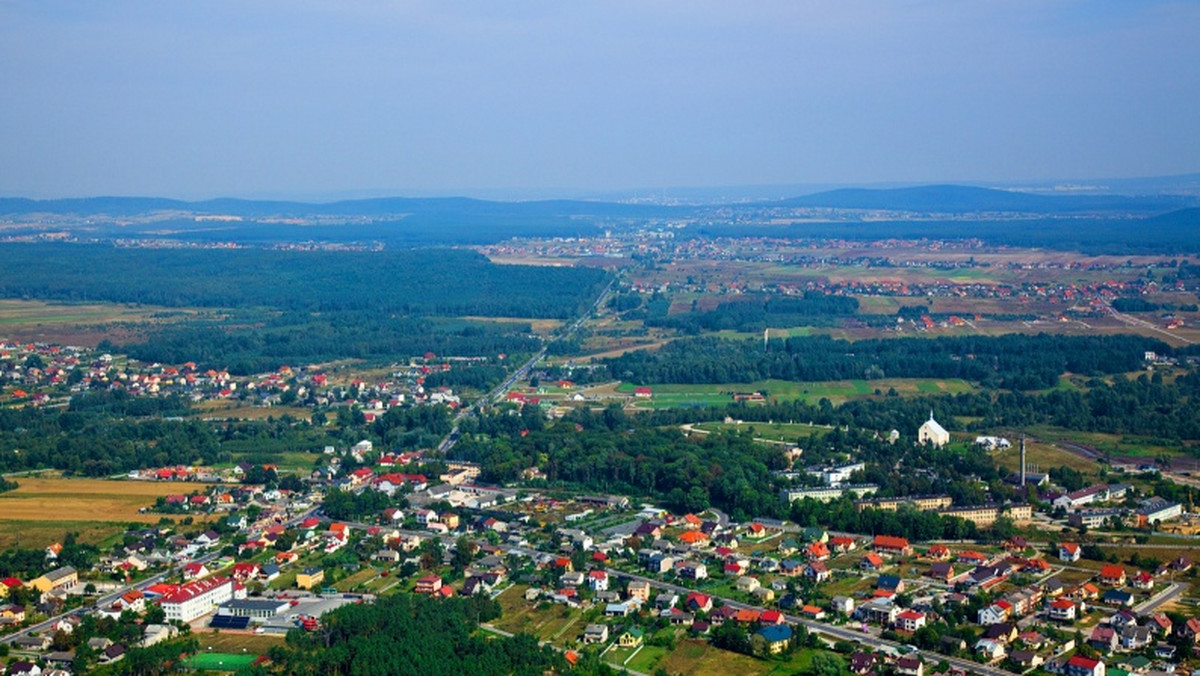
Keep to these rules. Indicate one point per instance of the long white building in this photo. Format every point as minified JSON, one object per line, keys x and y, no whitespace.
{"x":196,"y":599}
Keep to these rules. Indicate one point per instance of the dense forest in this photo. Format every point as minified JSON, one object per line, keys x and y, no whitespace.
{"x":254,"y":343}
{"x":95,"y":444}
{"x":404,"y":634}
{"x":1016,"y":362}
{"x":433,"y":282}
{"x":757,"y":312}
{"x":263,"y":308}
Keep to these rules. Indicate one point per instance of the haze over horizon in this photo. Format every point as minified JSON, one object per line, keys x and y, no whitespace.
{"x":317,"y":99}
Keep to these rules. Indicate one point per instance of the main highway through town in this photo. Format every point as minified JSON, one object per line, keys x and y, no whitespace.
{"x":497,"y":392}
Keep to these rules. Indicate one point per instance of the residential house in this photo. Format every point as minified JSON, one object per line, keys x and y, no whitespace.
{"x":595,"y":633}
{"x":698,"y":603}
{"x":747,"y":584}
{"x":1115,"y":597}
{"x":638,"y":590}
{"x":429,"y":584}
{"x":990,"y":650}
{"x":842,"y":604}
{"x":993,"y":614}
{"x":1103,"y":638}
{"x":871,"y":562}
{"x":817,"y":571}
{"x":1069,"y":552}
{"x":598,"y":580}
{"x":887,"y":544}
{"x":1084,"y":666}
{"x":910,"y":665}
{"x":631,"y":638}
{"x":1134,"y":637}
{"x":1113,"y":575}
{"x":776,"y":637}
{"x":1062,"y":610}
{"x":910,"y":620}
{"x":1026,"y":659}
{"x":941,"y":570}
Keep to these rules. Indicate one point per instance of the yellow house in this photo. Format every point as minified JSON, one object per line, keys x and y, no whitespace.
{"x":631,"y":638}
{"x":59,"y":578}
{"x":451,"y":521}
{"x":309,"y":578}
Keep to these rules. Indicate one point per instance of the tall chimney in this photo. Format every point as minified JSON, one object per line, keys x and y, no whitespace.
{"x":1022,"y":459}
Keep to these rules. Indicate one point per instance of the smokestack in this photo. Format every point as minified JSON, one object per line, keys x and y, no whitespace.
{"x":1022,"y":459}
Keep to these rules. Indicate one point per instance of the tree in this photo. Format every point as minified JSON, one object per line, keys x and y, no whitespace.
{"x":826,"y":664}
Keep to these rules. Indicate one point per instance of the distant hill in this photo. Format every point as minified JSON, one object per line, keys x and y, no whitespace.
{"x":128,"y":206}
{"x":967,"y":199}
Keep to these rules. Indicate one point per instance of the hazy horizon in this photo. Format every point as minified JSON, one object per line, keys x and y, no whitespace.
{"x":319,"y":100}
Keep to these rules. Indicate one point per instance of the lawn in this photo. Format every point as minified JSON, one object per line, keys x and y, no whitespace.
{"x":793,"y":432}
{"x":219,"y":661}
{"x":236,"y":643}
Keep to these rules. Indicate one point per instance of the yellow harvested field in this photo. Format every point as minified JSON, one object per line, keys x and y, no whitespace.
{"x":57,"y":499}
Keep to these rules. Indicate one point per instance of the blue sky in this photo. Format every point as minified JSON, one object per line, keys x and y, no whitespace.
{"x":310,"y":98}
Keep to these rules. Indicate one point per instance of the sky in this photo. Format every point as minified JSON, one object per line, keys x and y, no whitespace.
{"x":317,"y":98}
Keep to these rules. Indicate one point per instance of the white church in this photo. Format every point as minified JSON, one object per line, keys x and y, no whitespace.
{"x":932,"y":433}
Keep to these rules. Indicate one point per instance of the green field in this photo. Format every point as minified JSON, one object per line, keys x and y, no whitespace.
{"x":219,"y":661}
{"x":836,"y":391}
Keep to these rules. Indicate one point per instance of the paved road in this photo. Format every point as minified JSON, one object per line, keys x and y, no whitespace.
{"x":494,"y":395}
{"x":1170,"y":593}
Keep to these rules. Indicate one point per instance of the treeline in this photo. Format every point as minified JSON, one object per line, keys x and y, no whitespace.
{"x":1016,"y":362}
{"x":119,"y":403}
{"x":98,"y":445}
{"x":842,"y":515}
{"x":256,"y":342}
{"x":755,"y":313}
{"x":415,"y":635}
{"x":475,"y":376}
{"x":607,"y":452}
{"x":437,"y":282}
{"x":1146,"y":406}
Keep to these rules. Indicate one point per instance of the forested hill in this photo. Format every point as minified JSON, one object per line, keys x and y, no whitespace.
{"x":1016,"y":362}
{"x":968,"y":199}
{"x":441,"y":282}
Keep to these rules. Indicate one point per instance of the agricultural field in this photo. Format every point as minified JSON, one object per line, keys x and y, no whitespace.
{"x":548,"y":622}
{"x":224,"y":409}
{"x":42,"y":508}
{"x":542,"y":327}
{"x":84,"y":324}
{"x":699,"y":658}
{"x":837,"y":391}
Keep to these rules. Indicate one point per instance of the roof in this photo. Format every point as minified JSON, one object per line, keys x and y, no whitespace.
{"x":1084,"y":662}
{"x":776,"y":633}
{"x":890,"y":542}
{"x":194,"y":589}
